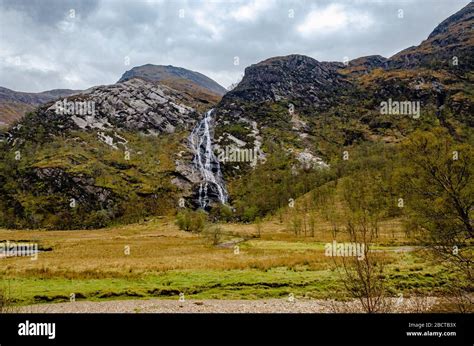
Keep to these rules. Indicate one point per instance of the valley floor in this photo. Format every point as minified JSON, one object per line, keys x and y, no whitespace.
{"x":250,"y":268}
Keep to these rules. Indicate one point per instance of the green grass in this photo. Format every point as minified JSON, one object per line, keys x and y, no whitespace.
{"x":227,"y":284}
{"x":165,"y":261}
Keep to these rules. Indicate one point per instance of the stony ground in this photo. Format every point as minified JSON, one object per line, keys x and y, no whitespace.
{"x":222,"y":306}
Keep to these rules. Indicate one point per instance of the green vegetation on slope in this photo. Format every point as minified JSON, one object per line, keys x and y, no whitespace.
{"x":80,"y":182}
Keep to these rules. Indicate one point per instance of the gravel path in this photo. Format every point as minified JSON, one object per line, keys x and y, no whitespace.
{"x":218,"y":306}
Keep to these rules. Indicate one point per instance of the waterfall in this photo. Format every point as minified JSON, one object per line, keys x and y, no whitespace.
{"x":212,"y":183}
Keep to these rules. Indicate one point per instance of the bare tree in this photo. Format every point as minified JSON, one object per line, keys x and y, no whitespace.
{"x":213,"y":233}
{"x":363,"y":276}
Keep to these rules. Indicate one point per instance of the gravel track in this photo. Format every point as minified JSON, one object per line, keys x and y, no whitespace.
{"x":218,"y":306}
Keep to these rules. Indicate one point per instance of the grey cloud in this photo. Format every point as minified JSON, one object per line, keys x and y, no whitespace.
{"x":45,"y":12}
{"x":60,"y":52}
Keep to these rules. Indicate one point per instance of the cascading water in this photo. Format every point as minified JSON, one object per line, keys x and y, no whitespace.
{"x":212,"y":183}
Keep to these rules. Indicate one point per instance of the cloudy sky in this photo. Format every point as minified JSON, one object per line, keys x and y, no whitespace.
{"x":76,"y":44}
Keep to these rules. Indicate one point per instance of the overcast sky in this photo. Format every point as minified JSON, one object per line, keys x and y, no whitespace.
{"x":49,"y":44}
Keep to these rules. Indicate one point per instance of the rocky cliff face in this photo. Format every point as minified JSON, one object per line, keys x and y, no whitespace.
{"x":277,"y":94}
{"x":133,"y":105}
{"x":137,"y":105}
{"x":293,"y":77}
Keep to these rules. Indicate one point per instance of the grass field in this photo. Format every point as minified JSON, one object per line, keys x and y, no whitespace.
{"x":164,"y":261}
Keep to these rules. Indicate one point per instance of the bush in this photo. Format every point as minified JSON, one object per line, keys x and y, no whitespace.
{"x":221,"y":212}
{"x":250,"y":214}
{"x":191,"y":221}
{"x":214,"y":234}
{"x":6,"y":301}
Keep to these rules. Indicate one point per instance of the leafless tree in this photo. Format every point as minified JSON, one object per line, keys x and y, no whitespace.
{"x":363,"y":276}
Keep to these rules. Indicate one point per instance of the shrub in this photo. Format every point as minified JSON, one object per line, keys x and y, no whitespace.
{"x":250,"y":214}
{"x":191,"y":221}
{"x":5,"y":299}
{"x":221,"y":212}
{"x":214,"y":234}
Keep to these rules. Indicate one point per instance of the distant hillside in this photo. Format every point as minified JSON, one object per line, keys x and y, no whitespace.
{"x":15,"y":104}
{"x":450,"y":45}
{"x":172,"y":74}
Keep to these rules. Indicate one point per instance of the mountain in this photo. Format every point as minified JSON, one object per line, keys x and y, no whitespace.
{"x":134,"y":105}
{"x":449,"y":46}
{"x":282,"y":77}
{"x":350,"y":96}
{"x":275,"y":103}
{"x":366,"y":64}
{"x":123,"y":152}
{"x":111,"y":149}
{"x":15,"y":104}
{"x":173,"y":76}
{"x":34,"y":98}
{"x":297,"y":112}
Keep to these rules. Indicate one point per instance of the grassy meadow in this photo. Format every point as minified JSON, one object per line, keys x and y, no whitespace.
{"x":164,"y":261}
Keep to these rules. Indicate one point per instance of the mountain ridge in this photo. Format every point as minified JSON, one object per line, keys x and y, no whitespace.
{"x":158,"y":73}
{"x":15,"y":104}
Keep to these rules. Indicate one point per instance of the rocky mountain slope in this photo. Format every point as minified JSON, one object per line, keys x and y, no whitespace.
{"x":105,"y":148}
{"x":449,"y":46}
{"x":299,"y":93}
{"x":314,"y":112}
